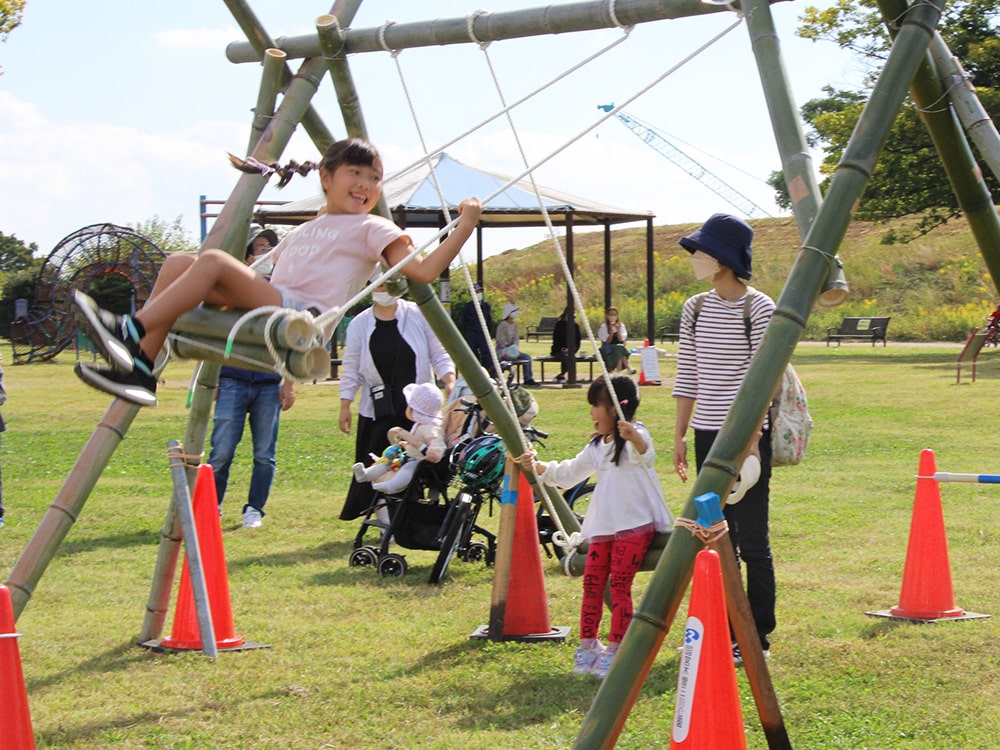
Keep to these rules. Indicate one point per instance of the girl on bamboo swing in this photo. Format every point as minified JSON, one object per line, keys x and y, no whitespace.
{"x":318,"y":266}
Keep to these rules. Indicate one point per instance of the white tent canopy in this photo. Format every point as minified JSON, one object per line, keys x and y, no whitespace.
{"x":413,"y":199}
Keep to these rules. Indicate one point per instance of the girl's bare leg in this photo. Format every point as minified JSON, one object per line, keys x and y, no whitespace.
{"x":184,"y":282}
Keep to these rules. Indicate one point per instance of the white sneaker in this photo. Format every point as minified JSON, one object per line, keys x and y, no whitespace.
{"x":252,"y":518}
{"x":604,"y":662}
{"x":585,"y":658}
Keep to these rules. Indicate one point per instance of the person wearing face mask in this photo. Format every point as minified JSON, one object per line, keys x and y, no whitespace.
{"x":387,"y":346}
{"x":473,"y":331}
{"x":508,"y":341}
{"x":612,"y":334}
{"x":720,"y":331}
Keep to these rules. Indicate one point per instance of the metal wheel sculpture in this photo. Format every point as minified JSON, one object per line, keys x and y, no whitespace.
{"x":104,"y":260}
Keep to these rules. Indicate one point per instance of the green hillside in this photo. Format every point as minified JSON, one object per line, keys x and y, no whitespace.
{"x":936,"y":288}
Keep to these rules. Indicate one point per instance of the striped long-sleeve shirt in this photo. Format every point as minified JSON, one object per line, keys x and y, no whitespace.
{"x":713,"y":355}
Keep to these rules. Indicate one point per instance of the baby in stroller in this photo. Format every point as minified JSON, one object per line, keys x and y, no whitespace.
{"x":392,"y":472}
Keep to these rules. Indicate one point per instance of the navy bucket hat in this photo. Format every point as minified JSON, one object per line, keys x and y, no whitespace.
{"x":727,"y":239}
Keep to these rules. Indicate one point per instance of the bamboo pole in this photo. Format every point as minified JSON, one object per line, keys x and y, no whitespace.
{"x":742,"y":623}
{"x":619,"y":690}
{"x":69,"y":502}
{"x":267,"y":96}
{"x":971,"y":113}
{"x":309,"y":365}
{"x":292,"y":331}
{"x":192,"y":554}
{"x":229,"y":233}
{"x":589,"y":15}
{"x":331,"y":40}
{"x":505,"y":549}
{"x":963,"y":172}
{"x":259,"y":42}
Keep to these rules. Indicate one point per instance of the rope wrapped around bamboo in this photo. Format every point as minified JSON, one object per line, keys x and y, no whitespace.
{"x":291,"y":332}
{"x":575,"y":563}
{"x":312,"y":364}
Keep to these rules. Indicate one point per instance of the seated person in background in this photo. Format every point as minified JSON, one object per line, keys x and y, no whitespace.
{"x":507,"y":342}
{"x":424,"y":441}
{"x":613,"y":335}
{"x":565,"y":347}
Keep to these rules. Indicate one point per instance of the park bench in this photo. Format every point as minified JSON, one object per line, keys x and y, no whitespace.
{"x":545,"y":327}
{"x":670,"y":331}
{"x":865,"y":329}
{"x":580,"y":359}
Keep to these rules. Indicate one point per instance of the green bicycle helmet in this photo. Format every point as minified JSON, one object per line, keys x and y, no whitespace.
{"x":482,"y":460}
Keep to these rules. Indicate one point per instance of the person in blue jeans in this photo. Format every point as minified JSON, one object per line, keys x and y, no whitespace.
{"x":259,"y":396}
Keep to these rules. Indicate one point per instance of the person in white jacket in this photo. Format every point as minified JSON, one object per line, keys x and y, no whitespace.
{"x":387,"y":346}
{"x":624,"y":513}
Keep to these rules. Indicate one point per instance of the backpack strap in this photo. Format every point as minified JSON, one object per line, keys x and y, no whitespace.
{"x":699,"y":302}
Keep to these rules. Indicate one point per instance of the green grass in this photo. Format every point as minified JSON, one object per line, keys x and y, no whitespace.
{"x":357,"y":661}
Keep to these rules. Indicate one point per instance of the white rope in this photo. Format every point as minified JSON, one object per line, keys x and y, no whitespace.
{"x":381,"y":35}
{"x":522,"y":100}
{"x":275,"y":314}
{"x":505,"y":391}
{"x":560,"y":536}
{"x":470,"y":22}
{"x":614,"y":16}
{"x":334,"y":314}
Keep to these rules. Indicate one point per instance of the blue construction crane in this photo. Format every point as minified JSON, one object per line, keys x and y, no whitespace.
{"x":656,"y":140}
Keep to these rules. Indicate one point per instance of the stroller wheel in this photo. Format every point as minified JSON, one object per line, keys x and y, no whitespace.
{"x":363,"y":557}
{"x":392,"y":565}
{"x":476,"y":551}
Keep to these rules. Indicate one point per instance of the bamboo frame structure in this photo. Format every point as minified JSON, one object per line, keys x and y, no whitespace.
{"x":822,"y":225}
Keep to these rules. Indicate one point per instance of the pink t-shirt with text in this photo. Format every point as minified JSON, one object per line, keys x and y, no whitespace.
{"x":325,"y":261}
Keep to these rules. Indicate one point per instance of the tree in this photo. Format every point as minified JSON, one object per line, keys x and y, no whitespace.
{"x":908,"y":177}
{"x":169,"y":238}
{"x":14,"y":254}
{"x":10,"y":16}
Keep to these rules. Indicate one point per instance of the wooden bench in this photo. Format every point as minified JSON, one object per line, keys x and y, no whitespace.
{"x":544,"y":328}
{"x":866,"y":329}
{"x":670,"y":331}
{"x":580,"y":359}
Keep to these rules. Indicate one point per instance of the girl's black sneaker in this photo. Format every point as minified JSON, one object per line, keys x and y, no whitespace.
{"x":135,"y":386}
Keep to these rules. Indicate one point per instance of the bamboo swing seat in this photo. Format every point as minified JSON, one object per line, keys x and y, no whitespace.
{"x":202,"y":334}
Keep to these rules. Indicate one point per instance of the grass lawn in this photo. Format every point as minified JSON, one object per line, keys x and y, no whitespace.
{"x":357,"y":661}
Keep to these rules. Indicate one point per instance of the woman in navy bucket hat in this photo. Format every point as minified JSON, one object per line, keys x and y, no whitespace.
{"x":714,"y":352}
{"x":727,"y":239}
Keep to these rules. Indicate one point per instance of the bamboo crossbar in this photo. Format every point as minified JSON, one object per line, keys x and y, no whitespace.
{"x":290,"y":332}
{"x":486,"y":27}
{"x":312,"y":364}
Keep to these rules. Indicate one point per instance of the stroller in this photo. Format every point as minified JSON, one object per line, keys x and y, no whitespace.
{"x":425,"y":516}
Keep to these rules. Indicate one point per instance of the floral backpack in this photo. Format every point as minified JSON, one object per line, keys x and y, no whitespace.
{"x":789,"y":410}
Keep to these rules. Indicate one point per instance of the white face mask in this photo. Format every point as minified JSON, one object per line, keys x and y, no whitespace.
{"x":512,"y":315}
{"x":479,"y":296}
{"x":384,"y":299}
{"x":705,"y":266}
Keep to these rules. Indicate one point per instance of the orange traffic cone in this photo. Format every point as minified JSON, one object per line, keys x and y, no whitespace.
{"x":186,"y":635}
{"x":527,"y":604}
{"x":13,"y":694}
{"x":707,"y":715}
{"x":520,"y":609}
{"x":927,"y":592}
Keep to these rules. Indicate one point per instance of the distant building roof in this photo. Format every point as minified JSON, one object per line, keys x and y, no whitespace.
{"x":414,"y":202}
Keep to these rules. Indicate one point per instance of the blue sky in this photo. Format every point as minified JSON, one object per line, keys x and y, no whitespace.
{"x":116,"y":112}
